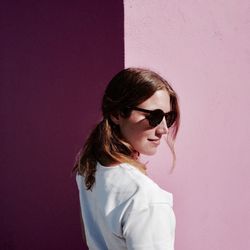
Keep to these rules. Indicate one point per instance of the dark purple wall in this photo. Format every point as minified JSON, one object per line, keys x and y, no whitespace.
{"x":55,"y":61}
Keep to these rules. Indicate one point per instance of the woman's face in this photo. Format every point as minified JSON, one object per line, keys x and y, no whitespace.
{"x":136,"y":129}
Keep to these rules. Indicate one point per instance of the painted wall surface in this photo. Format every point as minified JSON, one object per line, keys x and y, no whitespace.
{"x":56,"y":58}
{"x":202,"y":48}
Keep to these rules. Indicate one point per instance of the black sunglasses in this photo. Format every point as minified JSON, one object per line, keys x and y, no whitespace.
{"x":155,"y":116}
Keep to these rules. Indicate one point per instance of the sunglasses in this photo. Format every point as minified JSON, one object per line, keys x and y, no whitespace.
{"x":155,"y":116}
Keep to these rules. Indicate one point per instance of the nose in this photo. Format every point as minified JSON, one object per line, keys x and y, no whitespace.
{"x":162,"y":128}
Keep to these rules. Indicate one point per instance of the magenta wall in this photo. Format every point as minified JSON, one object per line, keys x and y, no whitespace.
{"x":55,"y":60}
{"x":202,"y":47}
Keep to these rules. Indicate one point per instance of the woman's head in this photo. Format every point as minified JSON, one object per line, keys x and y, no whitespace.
{"x":138,"y":107}
{"x":135,"y":103}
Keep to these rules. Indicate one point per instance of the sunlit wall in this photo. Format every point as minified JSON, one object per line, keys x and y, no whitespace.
{"x":202,"y":48}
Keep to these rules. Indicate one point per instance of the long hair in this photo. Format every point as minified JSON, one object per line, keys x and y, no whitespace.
{"x":105,"y":144}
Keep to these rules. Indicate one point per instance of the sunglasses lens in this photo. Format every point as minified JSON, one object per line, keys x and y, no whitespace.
{"x":155,"y":117}
{"x":170,"y":118}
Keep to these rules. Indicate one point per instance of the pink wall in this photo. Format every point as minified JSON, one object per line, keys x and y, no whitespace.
{"x":202,"y":48}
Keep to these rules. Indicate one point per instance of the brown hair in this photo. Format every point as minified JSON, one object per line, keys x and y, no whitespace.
{"x":105,"y":144}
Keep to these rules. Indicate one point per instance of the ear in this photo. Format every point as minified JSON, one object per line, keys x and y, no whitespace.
{"x":115,"y":118}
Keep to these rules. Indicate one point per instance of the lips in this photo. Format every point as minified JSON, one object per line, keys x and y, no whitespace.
{"x":155,"y":141}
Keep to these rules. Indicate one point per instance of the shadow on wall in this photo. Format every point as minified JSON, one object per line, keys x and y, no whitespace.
{"x":55,"y":62}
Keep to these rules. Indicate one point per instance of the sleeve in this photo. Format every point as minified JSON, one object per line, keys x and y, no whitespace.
{"x":150,"y":228}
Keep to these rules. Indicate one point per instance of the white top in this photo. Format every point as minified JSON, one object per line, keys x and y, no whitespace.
{"x":126,"y":210}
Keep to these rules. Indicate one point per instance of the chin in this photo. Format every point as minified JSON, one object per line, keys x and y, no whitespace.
{"x":149,"y":152}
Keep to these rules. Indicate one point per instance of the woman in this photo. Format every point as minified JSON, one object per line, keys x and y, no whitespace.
{"x":121,"y":207}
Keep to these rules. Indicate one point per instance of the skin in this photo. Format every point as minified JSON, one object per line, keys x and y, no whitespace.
{"x":136,"y":130}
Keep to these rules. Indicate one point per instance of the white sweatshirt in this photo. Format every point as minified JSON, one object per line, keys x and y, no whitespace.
{"x":126,"y":210}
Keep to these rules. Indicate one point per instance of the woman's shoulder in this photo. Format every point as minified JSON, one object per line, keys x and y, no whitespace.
{"x":125,"y":178}
{"x":151,"y":191}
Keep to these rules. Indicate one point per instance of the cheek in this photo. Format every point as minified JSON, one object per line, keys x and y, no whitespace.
{"x":135,"y":135}
{"x":135,"y":130}
{"x":138,"y":138}
{"x":129,"y":132}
